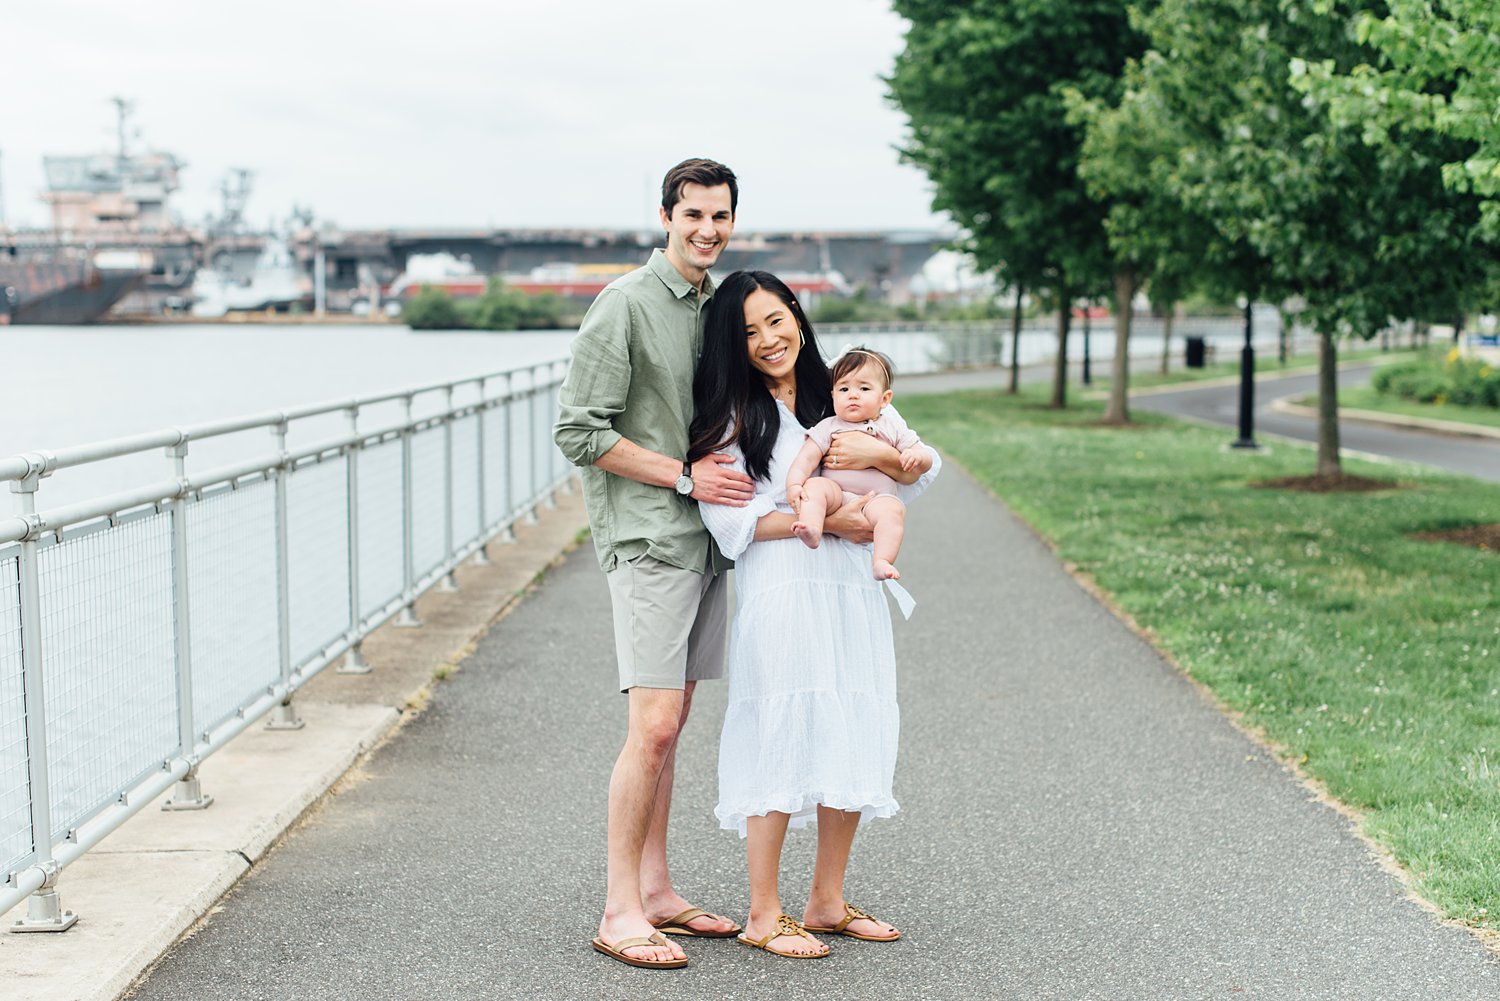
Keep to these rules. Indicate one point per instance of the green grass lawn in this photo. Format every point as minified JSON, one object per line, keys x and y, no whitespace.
{"x":1368,"y":657}
{"x":1365,"y":398}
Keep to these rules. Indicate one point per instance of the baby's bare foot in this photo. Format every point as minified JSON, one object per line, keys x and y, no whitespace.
{"x":884,"y":570}
{"x":809,"y":538}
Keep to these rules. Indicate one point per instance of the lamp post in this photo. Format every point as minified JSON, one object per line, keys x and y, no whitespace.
{"x":1247,"y":386}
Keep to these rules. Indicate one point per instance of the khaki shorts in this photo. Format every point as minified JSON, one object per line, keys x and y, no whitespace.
{"x":671,"y":624}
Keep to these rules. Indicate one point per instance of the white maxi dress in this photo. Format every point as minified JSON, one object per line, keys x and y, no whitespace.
{"x":812,"y":716}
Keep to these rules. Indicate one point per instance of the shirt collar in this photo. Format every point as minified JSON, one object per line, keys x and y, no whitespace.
{"x":672,"y":278}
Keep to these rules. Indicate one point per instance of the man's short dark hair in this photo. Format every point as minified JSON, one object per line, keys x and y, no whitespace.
{"x":709,"y":173}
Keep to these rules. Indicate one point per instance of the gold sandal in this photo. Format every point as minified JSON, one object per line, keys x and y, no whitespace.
{"x":789,"y":926}
{"x":852,"y":913}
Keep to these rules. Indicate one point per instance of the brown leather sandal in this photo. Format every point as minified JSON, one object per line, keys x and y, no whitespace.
{"x":617,"y":951}
{"x":789,"y":926}
{"x":679,"y":925}
{"x":852,"y":913}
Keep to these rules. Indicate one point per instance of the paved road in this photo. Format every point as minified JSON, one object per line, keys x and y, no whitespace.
{"x":1077,"y":823}
{"x":1220,"y":405}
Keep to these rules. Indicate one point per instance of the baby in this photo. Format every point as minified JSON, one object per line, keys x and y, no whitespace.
{"x":861,"y":391}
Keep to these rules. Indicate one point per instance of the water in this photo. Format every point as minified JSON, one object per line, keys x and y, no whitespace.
{"x":64,"y":386}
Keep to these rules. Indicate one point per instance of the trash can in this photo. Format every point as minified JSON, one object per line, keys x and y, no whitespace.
{"x":1197,"y":351}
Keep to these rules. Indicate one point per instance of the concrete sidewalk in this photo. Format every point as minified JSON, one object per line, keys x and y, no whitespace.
{"x":1078,"y":822}
{"x":146,"y":884}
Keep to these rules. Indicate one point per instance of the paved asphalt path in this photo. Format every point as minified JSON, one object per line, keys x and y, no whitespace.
{"x":1220,"y":405}
{"x":1077,"y":823}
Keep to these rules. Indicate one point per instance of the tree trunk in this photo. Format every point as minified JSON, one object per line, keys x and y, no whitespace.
{"x":1060,"y":374}
{"x":1328,"y":407}
{"x":1118,"y":410}
{"x":1168,"y":320}
{"x":1015,"y":346}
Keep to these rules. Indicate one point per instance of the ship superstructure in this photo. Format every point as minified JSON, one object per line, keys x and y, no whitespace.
{"x":113,"y":238}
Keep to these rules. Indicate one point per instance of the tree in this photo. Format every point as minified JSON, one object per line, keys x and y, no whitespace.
{"x":1438,"y":72}
{"x":982,"y":87}
{"x":1128,"y":155}
{"x":1299,"y":205}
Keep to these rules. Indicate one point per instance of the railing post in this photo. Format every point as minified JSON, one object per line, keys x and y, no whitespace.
{"x":354,"y":661}
{"x":507,"y":459}
{"x":407,"y":619}
{"x":449,"y":583}
{"x":481,"y":555}
{"x":283,"y":717}
{"x":532,"y":475}
{"x":43,"y":908}
{"x":187,"y":794}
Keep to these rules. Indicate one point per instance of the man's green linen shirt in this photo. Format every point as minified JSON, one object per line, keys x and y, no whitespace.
{"x":632,"y":377}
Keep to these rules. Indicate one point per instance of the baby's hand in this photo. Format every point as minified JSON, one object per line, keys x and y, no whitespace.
{"x":911,"y":457}
{"x":794,"y":496}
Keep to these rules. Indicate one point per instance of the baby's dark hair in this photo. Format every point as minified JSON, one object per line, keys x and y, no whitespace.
{"x":854,"y":359}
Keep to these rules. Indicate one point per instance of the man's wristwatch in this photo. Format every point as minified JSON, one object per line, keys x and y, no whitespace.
{"x":684,"y":483}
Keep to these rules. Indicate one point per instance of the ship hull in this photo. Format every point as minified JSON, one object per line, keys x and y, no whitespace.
{"x":64,"y":293}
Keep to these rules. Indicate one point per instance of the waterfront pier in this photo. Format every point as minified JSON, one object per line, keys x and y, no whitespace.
{"x":1077,"y":820}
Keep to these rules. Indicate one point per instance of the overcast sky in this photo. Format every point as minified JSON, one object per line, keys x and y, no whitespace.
{"x":451,"y":113}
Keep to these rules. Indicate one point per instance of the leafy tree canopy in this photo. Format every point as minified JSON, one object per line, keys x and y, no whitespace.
{"x":982,"y":85}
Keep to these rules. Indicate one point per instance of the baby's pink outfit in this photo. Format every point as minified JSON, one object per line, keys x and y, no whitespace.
{"x":888,"y":427}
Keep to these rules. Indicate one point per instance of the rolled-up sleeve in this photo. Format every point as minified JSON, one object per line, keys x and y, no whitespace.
{"x":598,"y":380}
{"x":733,"y":528}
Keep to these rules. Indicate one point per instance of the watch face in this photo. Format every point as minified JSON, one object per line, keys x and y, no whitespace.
{"x":684,"y":485}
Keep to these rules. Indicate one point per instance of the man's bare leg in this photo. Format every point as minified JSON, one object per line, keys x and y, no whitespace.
{"x":887,"y":517}
{"x":655,"y":717}
{"x":658,"y":898}
{"x":822,"y":497}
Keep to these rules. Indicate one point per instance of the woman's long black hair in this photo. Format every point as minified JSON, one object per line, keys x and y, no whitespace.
{"x":731,"y":401}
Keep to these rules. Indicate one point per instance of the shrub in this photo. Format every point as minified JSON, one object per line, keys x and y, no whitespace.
{"x":432,"y":309}
{"x":1467,"y":382}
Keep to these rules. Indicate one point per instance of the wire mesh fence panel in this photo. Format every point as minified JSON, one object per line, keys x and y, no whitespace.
{"x":429,"y":500}
{"x":495,"y":471}
{"x":107,"y":644}
{"x":466,"y":519}
{"x":232,"y":599}
{"x":318,"y":556}
{"x":380,"y":573}
{"x":15,"y":792}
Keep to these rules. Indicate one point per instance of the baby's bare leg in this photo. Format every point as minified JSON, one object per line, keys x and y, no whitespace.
{"x":822,"y":497}
{"x":887,"y":516}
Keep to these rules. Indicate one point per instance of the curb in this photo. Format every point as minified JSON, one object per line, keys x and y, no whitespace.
{"x":1457,"y":429}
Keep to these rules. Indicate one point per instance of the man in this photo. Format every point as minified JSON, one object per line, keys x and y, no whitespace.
{"x":625,"y":410}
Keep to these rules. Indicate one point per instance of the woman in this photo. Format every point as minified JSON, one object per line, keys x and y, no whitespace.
{"x":811,"y":728}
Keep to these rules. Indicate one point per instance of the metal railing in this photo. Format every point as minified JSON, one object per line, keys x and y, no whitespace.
{"x":141,"y":631}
